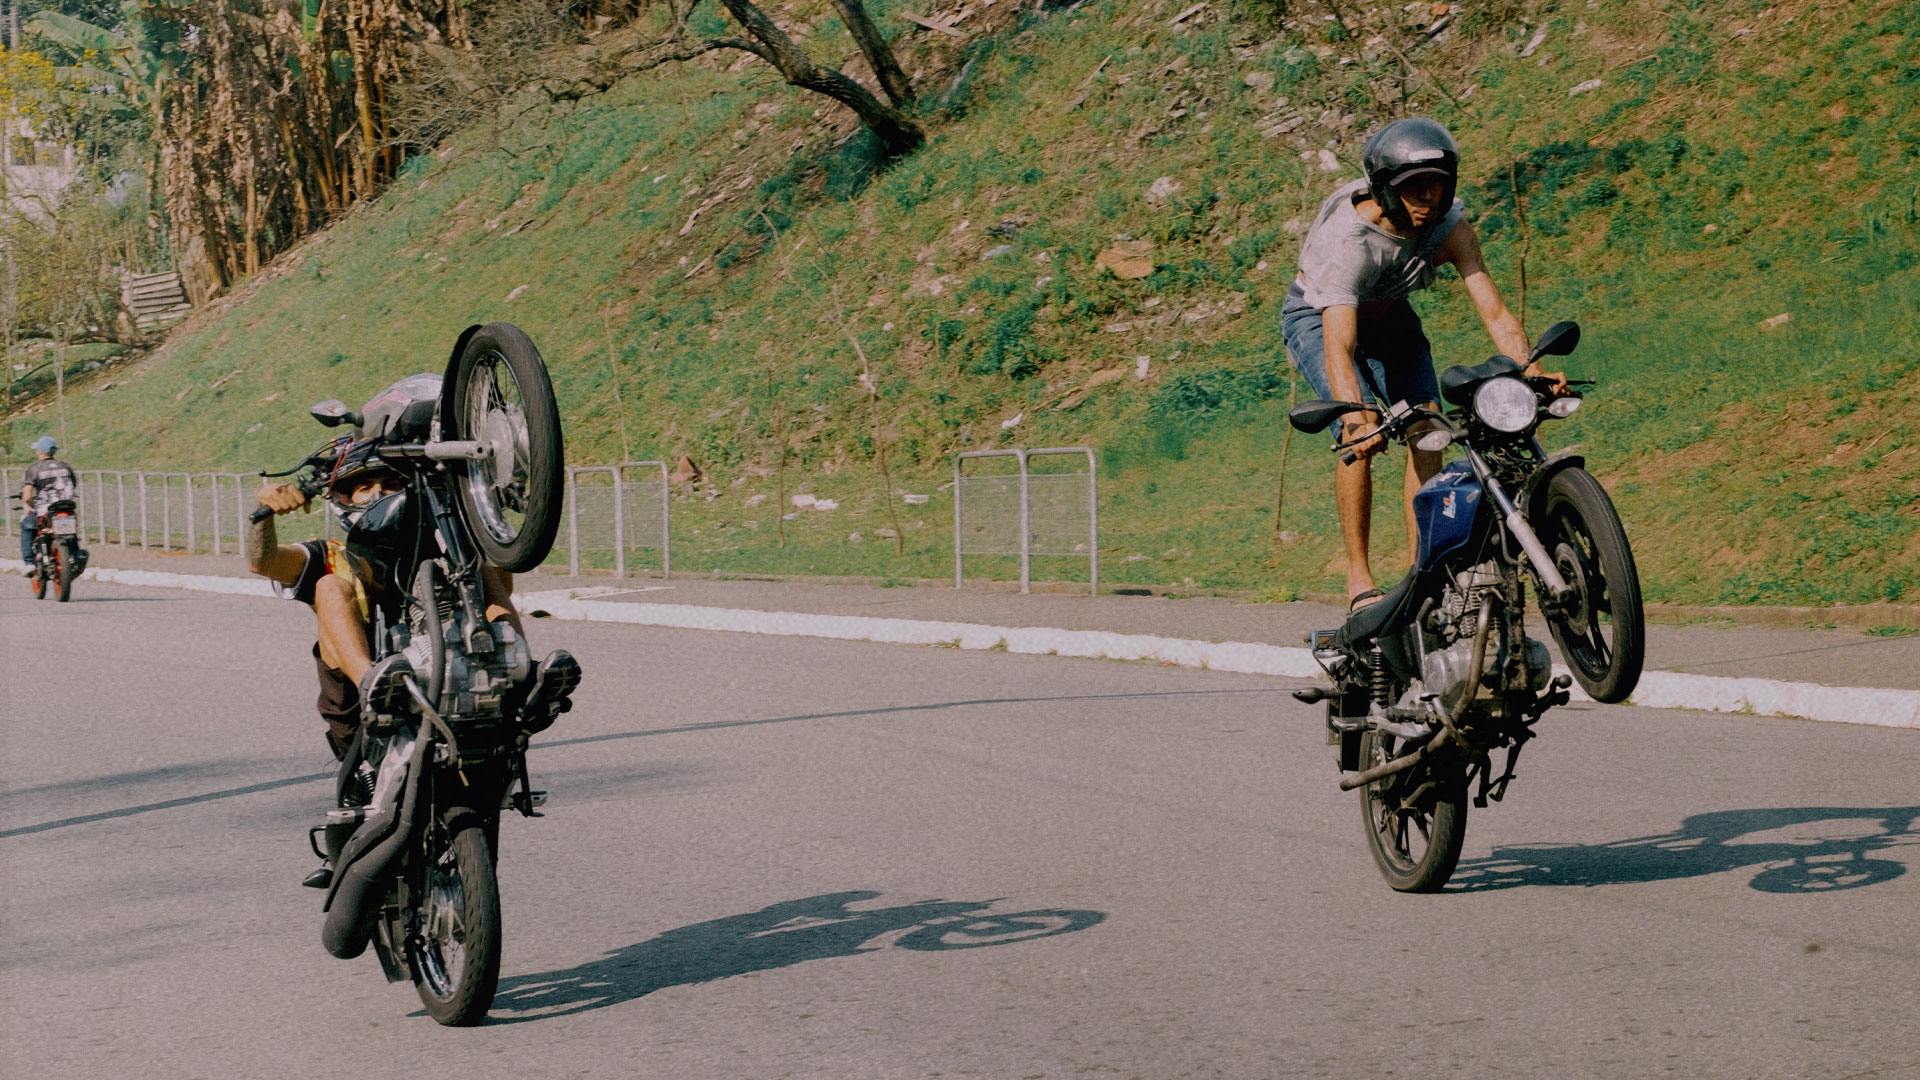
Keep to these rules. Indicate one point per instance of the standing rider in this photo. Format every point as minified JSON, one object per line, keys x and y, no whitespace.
{"x":317,"y":573}
{"x":48,"y":481}
{"x":1348,"y":326}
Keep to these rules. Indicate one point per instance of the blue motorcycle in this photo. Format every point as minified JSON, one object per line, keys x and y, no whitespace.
{"x":1432,"y":679}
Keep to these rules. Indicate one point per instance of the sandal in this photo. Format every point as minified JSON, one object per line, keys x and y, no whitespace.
{"x":1354,"y":605}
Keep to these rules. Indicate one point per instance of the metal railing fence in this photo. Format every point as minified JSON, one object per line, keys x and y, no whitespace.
{"x":612,"y":513}
{"x":616,"y":515}
{"x":169,"y":511}
{"x":1026,"y":513}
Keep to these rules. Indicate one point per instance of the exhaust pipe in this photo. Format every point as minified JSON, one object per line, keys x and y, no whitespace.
{"x":367,"y":864}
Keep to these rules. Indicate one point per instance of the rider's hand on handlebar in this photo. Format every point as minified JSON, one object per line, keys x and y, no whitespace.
{"x":1556,"y":380}
{"x":1365,"y":428}
{"x":281,"y":498}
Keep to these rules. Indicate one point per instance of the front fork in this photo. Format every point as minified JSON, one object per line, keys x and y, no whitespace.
{"x":1555,"y":592}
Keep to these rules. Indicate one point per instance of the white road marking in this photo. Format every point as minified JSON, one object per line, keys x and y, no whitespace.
{"x":1657,"y":689}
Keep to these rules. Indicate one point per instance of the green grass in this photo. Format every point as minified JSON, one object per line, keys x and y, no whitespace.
{"x":1750,"y":465}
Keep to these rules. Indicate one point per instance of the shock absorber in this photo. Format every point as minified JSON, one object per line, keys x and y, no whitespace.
{"x":1382,"y":684}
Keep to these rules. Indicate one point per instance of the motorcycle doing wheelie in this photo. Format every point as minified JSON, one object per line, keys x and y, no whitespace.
{"x":58,"y":557}
{"x":414,"y":838}
{"x":1432,"y":679}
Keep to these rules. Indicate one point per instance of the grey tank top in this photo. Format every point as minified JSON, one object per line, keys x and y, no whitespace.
{"x":1347,"y":259}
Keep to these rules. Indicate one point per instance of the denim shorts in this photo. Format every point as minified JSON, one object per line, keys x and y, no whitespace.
{"x":1393,"y":359}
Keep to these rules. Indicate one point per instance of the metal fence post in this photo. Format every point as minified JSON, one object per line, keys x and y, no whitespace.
{"x":213,"y":517}
{"x":1026,"y":529}
{"x":240,"y":511}
{"x":573,"y":525}
{"x":956,"y":520}
{"x":1093,"y":526}
{"x":666,"y":524}
{"x":619,"y":523}
{"x":120,"y":486}
{"x":143,"y":511}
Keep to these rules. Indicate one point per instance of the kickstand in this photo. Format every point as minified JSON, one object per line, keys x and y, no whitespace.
{"x":1500,"y":786}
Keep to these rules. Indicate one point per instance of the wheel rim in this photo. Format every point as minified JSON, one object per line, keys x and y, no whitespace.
{"x":495,"y":414}
{"x":1403,"y":836}
{"x":1586,"y":631}
{"x":441,"y":957}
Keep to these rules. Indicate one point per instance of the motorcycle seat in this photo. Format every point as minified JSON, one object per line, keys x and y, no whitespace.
{"x":1366,"y":624}
{"x":1458,"y":381}
{"x":63,"y":506}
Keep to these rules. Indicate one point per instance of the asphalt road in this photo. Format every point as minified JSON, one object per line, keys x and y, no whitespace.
{"x":784,"y":857}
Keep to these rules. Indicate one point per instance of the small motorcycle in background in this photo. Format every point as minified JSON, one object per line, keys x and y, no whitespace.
{"x":57,"y":555}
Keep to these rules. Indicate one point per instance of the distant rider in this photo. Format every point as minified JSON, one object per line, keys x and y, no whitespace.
{"x":48,"y":481}
{"x":1376,"y":240}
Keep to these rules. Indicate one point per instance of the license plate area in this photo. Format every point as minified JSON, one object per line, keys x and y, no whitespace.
{"x":66,"y":526}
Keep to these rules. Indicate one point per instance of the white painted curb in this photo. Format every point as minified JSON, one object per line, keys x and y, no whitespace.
{"x":1657,"y":689}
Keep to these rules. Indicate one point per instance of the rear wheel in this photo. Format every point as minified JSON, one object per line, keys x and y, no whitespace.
{"x":501,"y":397}
{"x":1416,"y":820}
{"x":1602,"y":635}
{"x":455,"y":953}
{"x":63,"y":570}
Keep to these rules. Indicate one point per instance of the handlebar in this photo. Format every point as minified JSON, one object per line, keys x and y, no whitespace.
{"x":309,"y":486}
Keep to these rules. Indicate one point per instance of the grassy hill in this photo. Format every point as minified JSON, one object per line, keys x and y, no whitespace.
{"x":727,"y":236}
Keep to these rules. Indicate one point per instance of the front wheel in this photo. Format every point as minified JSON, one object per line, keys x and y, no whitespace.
{"x":501,"y":397}
{"x":1416,"y":820}
{"x":1602,"y":633}
{"x":454,"y":953}
{"x":38,"y":577}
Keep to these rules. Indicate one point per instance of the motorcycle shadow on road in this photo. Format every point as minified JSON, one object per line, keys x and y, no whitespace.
{"x":1795,"y":849}
{"x":781,"y":935}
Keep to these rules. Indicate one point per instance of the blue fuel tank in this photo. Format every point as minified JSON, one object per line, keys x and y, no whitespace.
{"x":1446,"y":508}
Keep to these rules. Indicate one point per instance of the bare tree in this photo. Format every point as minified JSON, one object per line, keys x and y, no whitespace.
{"x":891,"y":120}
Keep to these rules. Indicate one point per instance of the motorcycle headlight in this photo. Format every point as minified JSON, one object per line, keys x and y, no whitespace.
{"x":1505,"y":404}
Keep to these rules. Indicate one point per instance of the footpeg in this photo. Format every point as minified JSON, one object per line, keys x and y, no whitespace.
{"x":1312,"y":695}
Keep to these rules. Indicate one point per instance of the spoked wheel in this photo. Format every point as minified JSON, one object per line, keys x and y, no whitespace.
{"x":37,"y":576}
{"x":455,"y":955}
{"x":502,"y":398}
{"x":1602,"y":634}
{"x":63,"y":575}
{"x":1416,"y":820}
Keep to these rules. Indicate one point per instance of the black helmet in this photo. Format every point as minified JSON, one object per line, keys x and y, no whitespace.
{"x":1404,"y":149}
{"x":354,"y":462}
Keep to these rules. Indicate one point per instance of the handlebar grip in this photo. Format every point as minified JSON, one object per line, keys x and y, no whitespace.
{"x":1349,"y":457}
{"x":260,"y":514}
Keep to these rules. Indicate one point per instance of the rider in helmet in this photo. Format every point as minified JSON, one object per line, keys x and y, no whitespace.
{"x":317,"y":573}
{"x":48,"y":480}
{"x":1348,"y":327}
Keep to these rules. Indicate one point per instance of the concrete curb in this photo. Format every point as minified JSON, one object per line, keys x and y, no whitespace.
{"x":1657,"y":689}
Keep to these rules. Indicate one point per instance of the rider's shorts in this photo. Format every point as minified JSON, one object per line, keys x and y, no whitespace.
{"x":1395,"y":361}
{"x":339,"y":704}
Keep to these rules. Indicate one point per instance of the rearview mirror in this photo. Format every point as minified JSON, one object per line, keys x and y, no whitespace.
{"x":1559,"y":340}
{"x":334,"y":412}
{"x":1312,"y":416}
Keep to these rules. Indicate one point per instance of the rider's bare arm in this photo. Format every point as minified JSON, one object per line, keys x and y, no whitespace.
{"x":1340,"y":331}
{"x":265,"y":555}
{"x":1462,"y":249}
